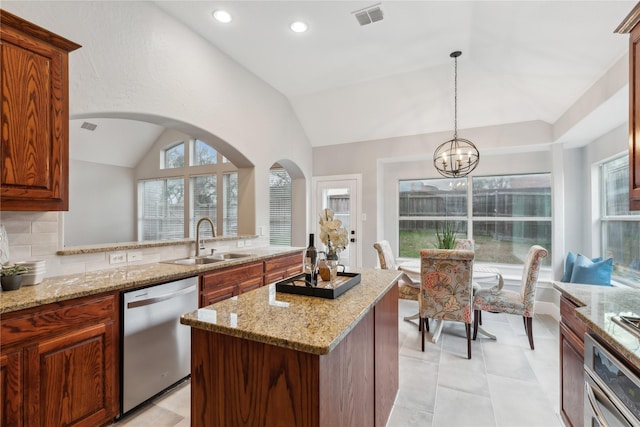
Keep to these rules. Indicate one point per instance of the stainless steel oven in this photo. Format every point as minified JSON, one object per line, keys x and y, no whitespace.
{"x":612,"y":391}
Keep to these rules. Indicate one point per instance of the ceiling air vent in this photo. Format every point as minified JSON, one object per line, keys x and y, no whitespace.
{"x":89,"y":126}
{"x":369,"y":14}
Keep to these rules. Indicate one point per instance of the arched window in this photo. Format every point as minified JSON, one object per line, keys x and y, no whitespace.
{"x":173,"y":156}
{"x":169,"y":208}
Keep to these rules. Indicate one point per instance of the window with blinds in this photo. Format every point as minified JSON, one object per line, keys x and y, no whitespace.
{"x":161,"y":209}
{"x":230,"y":204}
{"x":279,"y":207}
{"x":204,"y":198}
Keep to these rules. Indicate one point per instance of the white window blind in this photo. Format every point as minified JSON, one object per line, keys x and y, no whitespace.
{"x":279,"y":207}
{"x":161,"y":209}
{"x":230,"y":204}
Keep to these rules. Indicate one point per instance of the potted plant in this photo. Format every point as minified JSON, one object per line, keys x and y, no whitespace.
{"x":446,"y":239}
{"x":11,"y":276}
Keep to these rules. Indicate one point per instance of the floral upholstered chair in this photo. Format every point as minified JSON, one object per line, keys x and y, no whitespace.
{"x":446,"y":287}
{"x":409,"y":285}
{"x":498,"y":300}
{"x":464,"y":244}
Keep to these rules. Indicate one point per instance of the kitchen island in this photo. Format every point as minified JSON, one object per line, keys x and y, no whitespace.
{"x":267,"y":358}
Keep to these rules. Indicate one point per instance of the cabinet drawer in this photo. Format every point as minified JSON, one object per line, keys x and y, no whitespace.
{"x":284,"y":263}
{"x":44,"y":321}
{"x":570,"y":319}
{"x":230,"y":276}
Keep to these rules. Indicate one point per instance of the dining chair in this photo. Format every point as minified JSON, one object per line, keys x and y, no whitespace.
{"x":409,"y":283}
{"x":446,"y":288}
{"x":499,"y":300}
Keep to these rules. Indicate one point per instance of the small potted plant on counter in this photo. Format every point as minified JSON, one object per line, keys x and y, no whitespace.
{"x":11,"y":276}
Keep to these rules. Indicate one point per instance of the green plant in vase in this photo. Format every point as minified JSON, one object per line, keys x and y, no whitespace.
{"x":11,"y":276}
{"x":447,"y":238}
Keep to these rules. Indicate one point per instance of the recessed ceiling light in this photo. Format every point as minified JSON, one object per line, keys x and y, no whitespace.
{"x":298,"y":27}
{"x":222,"y":16}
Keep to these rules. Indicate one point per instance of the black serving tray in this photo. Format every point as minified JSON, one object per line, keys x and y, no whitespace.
{"x":296,"y":285}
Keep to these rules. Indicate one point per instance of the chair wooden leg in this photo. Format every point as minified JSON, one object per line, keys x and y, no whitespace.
{"x":468,"y":328}
{"x":528,"y":327}
{"x":480,"y":316}
{"x":426,"y":323}
{"x":422,"y":331}
{"x":476,"y":319}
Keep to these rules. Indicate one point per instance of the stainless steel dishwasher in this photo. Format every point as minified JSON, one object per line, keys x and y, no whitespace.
{"x":156,"y":348}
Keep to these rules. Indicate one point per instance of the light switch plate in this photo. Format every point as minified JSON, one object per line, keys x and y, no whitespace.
{"x":134,"y":256}
{"x":241,"y":243}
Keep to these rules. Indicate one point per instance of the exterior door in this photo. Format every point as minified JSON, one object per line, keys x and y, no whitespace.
{"x":340,"y":194}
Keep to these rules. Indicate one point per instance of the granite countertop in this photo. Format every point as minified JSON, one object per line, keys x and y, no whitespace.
{"x":600,"y":304}
{"x":303,"y":323}
{"x":60,"y":288}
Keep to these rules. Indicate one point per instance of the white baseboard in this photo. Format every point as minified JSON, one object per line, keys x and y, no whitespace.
{"x":548,"y":308}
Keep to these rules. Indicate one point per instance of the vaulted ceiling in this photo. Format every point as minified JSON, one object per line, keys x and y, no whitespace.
{"x":521,"y":60}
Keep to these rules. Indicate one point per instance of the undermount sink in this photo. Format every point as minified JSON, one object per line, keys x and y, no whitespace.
{"x":194,"y":261}
{"x":231,"y":255}
{"x":208,"y":259}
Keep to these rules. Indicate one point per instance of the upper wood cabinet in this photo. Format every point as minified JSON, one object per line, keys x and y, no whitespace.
{"x":630,"y":26}
{"x":35,"y":116}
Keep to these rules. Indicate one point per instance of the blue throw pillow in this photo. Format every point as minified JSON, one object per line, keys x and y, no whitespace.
{"x":568,"y":266}
{"x":592,"y":273}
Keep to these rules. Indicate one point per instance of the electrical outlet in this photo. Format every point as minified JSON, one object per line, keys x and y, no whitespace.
{"x":241,"y":243}
{"x":117,"y":258}
{"x":248,"y":242}
{"x":134,"y":256}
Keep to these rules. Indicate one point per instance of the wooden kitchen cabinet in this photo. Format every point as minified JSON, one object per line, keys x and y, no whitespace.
{"x":224,"y":283}
{"x":227,"y":282}
{"x":60,"y":363}
{"x":281,"y":268}
{"x":35,"y":116}
{"x":630,"y":26}
{"x":572,"y":332}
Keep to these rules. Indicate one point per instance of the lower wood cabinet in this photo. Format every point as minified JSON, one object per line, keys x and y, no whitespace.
{"x":281,"y":268}
{"x":60,"y":364}
{"x":572,"y":332}
{"x":224,"y":283}
{"x":227,"y":282}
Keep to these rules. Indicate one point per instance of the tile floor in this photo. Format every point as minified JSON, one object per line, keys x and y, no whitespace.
{"x":505,"y":384}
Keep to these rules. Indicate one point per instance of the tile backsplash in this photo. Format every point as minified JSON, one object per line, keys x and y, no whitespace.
{"x":38,"y":236}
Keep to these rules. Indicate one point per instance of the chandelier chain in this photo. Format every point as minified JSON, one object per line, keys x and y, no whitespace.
{"x":455,"y":98}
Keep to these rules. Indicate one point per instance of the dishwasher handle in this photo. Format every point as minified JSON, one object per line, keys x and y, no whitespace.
{"x":160,"y":298}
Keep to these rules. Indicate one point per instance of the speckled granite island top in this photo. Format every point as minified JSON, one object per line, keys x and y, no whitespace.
{"x":600,"y":303}
{"x":303,"y":323}
{"x":61,"y":288}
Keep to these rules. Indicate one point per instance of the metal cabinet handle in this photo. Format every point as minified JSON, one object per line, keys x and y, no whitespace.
{"x":161,"y":298}
{"x":593,"y":403}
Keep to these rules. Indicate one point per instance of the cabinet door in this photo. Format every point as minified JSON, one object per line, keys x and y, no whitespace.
{"x":571,"y":377}
{"x":249,"y":284}
{"x":35,"y":117}
{"x":217,"y":294}
{"x":71,"y":379}
{"x":11,"y":389}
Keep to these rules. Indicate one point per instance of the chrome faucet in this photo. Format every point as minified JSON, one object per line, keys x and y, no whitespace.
{"x":200,"y":243}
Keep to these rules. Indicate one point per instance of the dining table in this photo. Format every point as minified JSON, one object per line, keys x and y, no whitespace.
{"x":481,"y":274}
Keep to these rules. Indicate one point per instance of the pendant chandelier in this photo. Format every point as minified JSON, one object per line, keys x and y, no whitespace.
{"x":458,"y":156}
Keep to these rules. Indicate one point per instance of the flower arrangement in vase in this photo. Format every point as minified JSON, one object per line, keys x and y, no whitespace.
{"x":332,"y":234}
